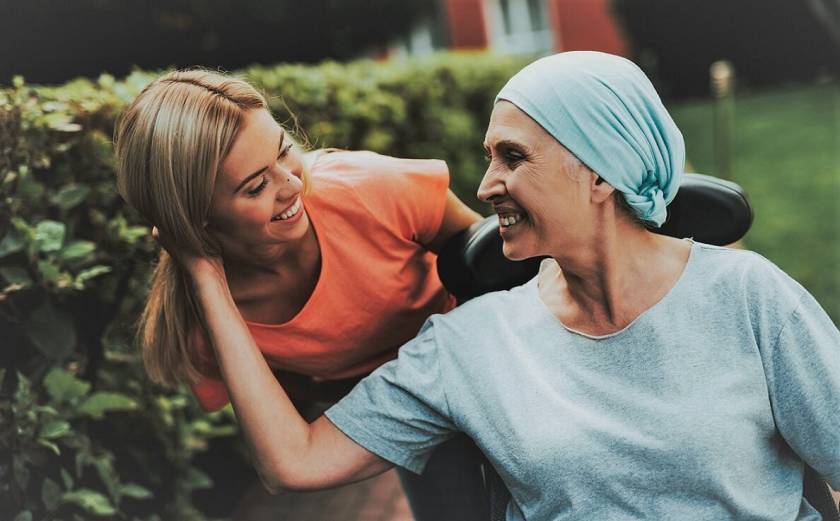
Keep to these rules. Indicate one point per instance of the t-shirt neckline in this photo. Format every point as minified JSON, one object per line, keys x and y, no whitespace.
{"x":674,"y":289}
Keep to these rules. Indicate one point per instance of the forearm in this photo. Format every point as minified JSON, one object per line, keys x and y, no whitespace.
{"x":289,"y":453}
{"x":272,"y":426}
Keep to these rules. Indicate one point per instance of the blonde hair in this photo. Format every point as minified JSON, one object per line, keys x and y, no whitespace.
{"x":170,"y":144}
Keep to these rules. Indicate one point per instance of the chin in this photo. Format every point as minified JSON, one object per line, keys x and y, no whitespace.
{"x":514,"y":253}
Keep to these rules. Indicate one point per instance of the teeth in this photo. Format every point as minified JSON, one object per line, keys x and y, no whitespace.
{"x":291,"y":212}
{"x":511,"y":219}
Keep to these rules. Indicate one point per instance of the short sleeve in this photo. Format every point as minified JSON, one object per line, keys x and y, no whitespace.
{"x":400,"y":411}
{"x":408,"y":195}
{"x":421,"y":194}
{"x":802,"y":366}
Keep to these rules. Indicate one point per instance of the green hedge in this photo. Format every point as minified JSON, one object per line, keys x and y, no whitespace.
{"x":84,"y":431}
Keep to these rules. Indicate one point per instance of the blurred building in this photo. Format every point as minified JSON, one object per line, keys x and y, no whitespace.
{"x":514,"y":27}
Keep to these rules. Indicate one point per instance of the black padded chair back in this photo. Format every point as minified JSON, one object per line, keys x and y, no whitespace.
{"x":708,"y":209}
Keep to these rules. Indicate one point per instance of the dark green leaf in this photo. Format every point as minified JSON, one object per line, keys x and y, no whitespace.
{"x":104,"y":465}
{"x":67,"y":479}
{"x":54,"y":429}
{"x":49,"y":235}
{"x":71,"y":195}
{"x":46,"y":410}
{"x":11,"y":243}
{"x":22,"y":393}
{"x":198,"y":480}
{"x":63,"y":386}
{"x":16,"y":275}
{"x":135,"y":491}
{"x":50,"y":445}
{"x":51,"y":331}
{"x":131,"y":234}
{"x":90,"y":273}
{"x":90,"y":500}
{"x":49,"y":271}
{"x":101,"y":402}
{"x":50,"y":494}
{"x":77,"y":250}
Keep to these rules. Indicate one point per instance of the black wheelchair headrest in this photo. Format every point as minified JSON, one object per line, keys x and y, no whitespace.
{"x":706,"y":208}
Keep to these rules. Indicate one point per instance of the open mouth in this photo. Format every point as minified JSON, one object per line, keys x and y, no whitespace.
{"x":506,"y":220}
{"x":289,"y":212}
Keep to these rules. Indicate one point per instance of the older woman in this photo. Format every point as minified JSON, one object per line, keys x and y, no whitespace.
{"x":636,"y":377}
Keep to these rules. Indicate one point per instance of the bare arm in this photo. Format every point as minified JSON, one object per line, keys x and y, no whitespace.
{"x":456,"y":217}
{"x":289,"y":453}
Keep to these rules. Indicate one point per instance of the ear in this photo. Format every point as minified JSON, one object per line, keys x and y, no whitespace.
{"x":600,"y":190}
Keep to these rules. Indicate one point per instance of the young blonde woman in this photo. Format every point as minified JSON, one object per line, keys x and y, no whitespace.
{"x":329,"y":257}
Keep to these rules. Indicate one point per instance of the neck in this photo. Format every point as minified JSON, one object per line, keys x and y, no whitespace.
{"x":284,"y":259}
{"x":622,"y":271}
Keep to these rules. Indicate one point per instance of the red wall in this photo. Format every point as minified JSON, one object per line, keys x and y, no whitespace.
{"x":465,"y":21}
{"x":585,"y":25}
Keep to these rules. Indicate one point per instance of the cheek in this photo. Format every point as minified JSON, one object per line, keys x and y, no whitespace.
{"x":242,"y":216}
{"x":256,"y":212}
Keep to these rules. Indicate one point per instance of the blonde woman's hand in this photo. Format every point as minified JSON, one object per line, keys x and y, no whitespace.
{"x":196,"y":265}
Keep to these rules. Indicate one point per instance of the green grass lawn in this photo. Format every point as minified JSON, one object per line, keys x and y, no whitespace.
{"x":787,"y":157}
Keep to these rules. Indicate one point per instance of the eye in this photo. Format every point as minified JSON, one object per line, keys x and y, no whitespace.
{"x":256,"y":191}
{"x":284,"y":150}
{"x":513,"y":156}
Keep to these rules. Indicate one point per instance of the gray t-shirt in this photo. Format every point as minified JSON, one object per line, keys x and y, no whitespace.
{"x":703,"y":408}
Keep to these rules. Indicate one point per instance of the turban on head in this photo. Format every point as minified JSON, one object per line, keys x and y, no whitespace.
{"x":605,"y":111}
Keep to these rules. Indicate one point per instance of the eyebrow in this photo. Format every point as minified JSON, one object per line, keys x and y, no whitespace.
{"x":263,"y":169}
{"x":506,"y":143}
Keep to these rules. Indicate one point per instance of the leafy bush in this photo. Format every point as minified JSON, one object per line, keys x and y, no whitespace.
{"x":86,"y":434}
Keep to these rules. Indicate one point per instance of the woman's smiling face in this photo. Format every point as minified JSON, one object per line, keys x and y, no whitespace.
{"x":257,"y":198}
{"x":539,"y":189}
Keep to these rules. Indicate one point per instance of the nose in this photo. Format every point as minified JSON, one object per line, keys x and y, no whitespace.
{"x":491,"y":186}
{"x":288,"y":184}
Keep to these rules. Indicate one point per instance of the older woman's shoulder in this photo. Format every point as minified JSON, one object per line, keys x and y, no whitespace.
{"x":736,"y":261}
{"x":744,"y":275}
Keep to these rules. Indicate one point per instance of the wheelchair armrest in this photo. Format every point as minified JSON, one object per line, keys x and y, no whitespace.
{"x":708,"y":209}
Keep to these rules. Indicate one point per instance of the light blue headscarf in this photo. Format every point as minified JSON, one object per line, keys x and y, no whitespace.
{"x":606,"y":112}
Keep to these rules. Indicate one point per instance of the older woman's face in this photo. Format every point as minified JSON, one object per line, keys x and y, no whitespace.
{"x":540,"y":191}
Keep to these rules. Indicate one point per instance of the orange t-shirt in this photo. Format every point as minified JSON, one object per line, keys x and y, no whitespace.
{"x":372,"y":215}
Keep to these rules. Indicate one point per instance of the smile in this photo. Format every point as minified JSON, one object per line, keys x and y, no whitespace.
{"x":510,"y":219}
{"x":289,"y":212}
